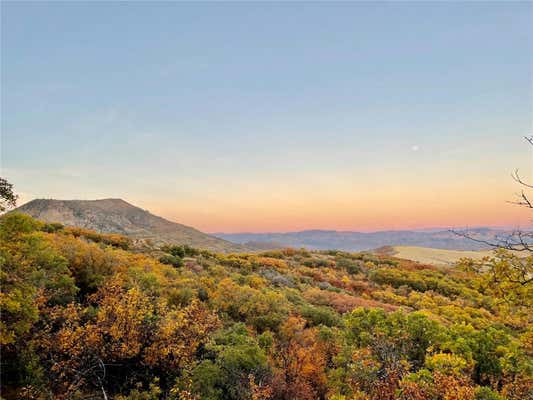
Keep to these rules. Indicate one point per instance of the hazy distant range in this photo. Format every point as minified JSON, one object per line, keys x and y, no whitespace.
{"x":357,"y":241}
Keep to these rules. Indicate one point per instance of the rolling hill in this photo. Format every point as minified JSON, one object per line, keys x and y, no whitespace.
{"x":119,"y":216}
{"x":357,"y":241}
{"x":428,"y":255}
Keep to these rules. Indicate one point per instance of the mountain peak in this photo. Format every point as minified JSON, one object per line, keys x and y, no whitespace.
{"x":115,"y":215}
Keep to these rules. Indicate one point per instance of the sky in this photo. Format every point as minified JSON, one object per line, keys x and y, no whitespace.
{"x":234,"y":117}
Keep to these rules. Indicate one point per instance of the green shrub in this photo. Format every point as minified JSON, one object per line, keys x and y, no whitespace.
{"x":168,"y":259}
{"x":320,"y":315}
{"x":485,"y":393}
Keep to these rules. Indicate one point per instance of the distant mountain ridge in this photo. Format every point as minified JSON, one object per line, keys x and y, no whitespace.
{"x":119,"y":216}
{"x":357,"y":241}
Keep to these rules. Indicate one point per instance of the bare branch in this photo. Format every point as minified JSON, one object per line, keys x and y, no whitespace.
{"x":518,"y":179}
{"x":515,"y":241}
{"x":523,"y":200}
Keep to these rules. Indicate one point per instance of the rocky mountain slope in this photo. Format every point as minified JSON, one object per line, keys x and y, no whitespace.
{"x":119,"y":216}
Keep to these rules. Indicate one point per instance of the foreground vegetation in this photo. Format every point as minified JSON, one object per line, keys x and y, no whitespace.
{"x":87,"y":316}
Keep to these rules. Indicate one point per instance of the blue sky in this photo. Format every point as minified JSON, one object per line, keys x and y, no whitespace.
{"x":272,"y":116}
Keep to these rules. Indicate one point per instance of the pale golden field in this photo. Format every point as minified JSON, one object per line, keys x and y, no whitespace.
{"x":427,"y":255}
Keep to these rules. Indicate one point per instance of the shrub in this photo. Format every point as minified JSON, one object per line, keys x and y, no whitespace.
{"x":168,"y":259}
{"x":485,"y":393}
{"x":52,"y":227}
{"x":351,"y":266}
{"x":320,"y":315}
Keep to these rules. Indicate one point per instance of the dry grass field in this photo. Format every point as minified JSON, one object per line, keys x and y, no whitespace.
{"x":427,"y":255}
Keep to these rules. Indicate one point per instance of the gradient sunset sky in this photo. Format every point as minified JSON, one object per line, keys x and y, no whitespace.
{"x":273,"y":117}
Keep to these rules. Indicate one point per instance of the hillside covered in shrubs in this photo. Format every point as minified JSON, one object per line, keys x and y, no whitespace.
{"x":90,"y":316}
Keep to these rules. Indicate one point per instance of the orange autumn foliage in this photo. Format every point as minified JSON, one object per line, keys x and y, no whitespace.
{"x":300,"y":363}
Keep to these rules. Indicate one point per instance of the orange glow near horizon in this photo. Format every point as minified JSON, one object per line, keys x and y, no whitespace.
{"x":395,"y":210}
{"x":333,"y":202}
{"x":281,"y":223}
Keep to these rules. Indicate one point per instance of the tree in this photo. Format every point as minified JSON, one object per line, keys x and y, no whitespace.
{"x":235,"y":367}
{"x":33,"y":277}
{"x":436,"y":386}
{"x":299,"y":360}
{"x":8,"y":199}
